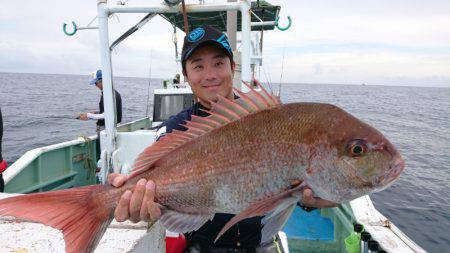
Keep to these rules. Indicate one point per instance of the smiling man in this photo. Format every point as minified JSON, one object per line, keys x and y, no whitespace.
{"x":208,"y":66}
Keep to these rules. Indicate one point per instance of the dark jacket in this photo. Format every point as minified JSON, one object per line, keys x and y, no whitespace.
{"x":118,"y":99}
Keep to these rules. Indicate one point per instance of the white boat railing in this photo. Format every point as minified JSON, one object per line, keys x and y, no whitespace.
{"x":380,"y":228}
{"x":33,"y":154}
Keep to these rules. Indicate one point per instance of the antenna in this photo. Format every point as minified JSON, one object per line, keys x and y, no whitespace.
{"x":149,"y":82}
{"x":282,"y":70}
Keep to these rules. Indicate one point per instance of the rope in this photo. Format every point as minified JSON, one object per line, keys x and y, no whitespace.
{"x":92,"y":21}
{"x":268,"y":78}
{"x":88,"y":161}
{"x":149,"y":82}
{"x":277,"y":245}
{"x":175,"y":41}
{"x":282,"y":70}
{"x":186,"y":25}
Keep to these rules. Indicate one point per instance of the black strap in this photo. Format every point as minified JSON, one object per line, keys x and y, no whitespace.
{"x":306,"y":208}
{"x":2,"y":183}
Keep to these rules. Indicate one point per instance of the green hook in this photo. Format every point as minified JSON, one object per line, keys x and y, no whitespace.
{"x":283,"y":28}
{"x":74,"y":29}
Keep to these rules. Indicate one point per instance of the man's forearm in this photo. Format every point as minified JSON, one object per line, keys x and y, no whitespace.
{"x":95,"y":116}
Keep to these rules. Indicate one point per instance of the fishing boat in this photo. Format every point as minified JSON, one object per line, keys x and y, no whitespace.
{"x":80,"y":162}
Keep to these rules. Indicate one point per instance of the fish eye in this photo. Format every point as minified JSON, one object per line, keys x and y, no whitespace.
{"x":357,"y":148}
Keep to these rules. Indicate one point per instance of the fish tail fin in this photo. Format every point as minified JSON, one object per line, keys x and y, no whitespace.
{"x":79,"y":213}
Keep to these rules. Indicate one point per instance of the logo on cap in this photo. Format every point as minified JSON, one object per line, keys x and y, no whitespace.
{"x":196,"y":34}
{"x":224,"y":41}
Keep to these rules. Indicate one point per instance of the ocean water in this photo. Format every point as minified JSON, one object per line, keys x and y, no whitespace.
{"x":39,"y":109}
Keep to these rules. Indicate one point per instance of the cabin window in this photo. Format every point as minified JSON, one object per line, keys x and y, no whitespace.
{"x":166,"y":105}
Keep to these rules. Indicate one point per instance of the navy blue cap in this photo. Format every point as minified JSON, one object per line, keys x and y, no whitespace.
{"x":98,"y":77}
{"x":200,"y":36}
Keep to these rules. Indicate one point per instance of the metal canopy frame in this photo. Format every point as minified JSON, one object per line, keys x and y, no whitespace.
{"x":218,"y":19}
{"x":104,"y":11}
{"x":264,"y":17}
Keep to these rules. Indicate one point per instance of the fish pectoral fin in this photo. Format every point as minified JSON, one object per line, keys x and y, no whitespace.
{"x":274,"y":204}
{"x":275,"y":221}
{"x":183,"y":222}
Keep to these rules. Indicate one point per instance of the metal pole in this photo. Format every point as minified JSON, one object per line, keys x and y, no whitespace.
{"x":261,"y":24}
{"x":108,"y":91}
{"x":232,"y":27}
{"x":191,"y":8}
{"x":245,"y":44}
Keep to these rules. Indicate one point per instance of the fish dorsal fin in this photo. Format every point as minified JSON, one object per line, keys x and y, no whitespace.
{"x":222,"y":112}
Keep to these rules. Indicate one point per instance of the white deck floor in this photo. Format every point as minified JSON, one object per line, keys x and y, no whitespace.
{"x":20,"y":236}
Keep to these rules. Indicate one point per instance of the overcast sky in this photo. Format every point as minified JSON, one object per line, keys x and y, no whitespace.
{"x":394,"y":42}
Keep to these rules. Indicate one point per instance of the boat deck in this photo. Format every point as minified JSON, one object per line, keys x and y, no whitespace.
{"x":23,"y":236}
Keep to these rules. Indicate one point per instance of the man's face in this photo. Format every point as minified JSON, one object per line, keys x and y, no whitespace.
{"x":99,"y":84}
{"x":210,"y":72}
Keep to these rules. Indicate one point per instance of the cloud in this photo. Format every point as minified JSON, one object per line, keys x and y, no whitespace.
{"x":395,"y":43}
{"x":399,"y":23}
{"x":390,"y":68}
{"x":383,"y":42}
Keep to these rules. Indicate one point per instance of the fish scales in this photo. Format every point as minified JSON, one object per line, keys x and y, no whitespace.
{"x":230,"y":176}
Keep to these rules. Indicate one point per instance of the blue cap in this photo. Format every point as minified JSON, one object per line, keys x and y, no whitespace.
{"x":98,"y":77}
{"x":200,"y":36}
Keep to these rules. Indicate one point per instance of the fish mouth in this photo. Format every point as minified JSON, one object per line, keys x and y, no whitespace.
{"x":395,"y":169}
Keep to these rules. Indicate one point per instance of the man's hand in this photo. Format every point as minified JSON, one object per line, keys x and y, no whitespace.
{"x":82,"y":116}
{"x":309,"y":200}
{"x":138,"y":205}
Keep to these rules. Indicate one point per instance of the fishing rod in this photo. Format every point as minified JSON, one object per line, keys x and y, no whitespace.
{"x":61,"y":117}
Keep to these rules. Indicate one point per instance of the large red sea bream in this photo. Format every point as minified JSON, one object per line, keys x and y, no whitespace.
{"x":249,"y":158}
